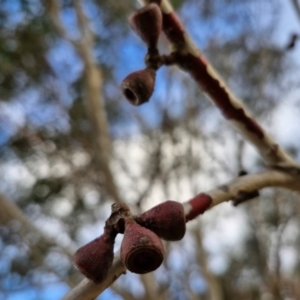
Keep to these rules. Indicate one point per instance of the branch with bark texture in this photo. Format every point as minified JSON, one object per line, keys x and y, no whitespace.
{"x":191,"y":60}
{"x":10,"y":211}
{"x":285,"y":176}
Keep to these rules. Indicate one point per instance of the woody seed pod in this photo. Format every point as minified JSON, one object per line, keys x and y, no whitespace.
{"x":167,"y":220}
{"x":142,"y":250}
{"x":138,"y":86}
{"x":147,"y":24}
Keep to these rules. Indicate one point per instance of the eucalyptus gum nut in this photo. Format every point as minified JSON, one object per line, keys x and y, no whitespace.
{"x":95,"y":258}
{"x":167,"y":220}
{"x":138,"y":86}
{"x":147,"y":23}
{"x":142,"y":250}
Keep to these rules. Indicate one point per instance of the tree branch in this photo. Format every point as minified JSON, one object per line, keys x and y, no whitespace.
{"x":296,"y":5}
{"x":232,"y":190}
{"x":286,"y":176}
{"x":89,"y":290}
{"x":95,"y":102}
{"x":214,"y":287}
{"x":93,"y":81}
{"x":53,"y":9}
{"x":37,"y":240}
{"x":10,"y":211}
{"x":241,"y":187}
{"x":190,"y":59}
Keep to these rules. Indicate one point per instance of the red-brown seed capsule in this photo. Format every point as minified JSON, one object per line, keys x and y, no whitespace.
{"x":142,"y":250}
{"x":138,"y":86}
{"x":147,"y":24}
{"x":95,"y":258}
{"x":167,"y":220}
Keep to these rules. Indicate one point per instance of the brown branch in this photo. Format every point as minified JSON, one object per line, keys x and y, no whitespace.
{"x":53,"y":9}
{"x":190,"y":59}
{"x":86,"y":32}
{"x":93,"y":81}
{"x":284,"y":178}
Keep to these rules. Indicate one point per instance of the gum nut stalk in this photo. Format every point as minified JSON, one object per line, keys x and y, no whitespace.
{"x":142,"y":250}
{"x":167,"y":220}
{"x":138,"y":86}
{"x":147,"y":23}
{"x":95,"y":258}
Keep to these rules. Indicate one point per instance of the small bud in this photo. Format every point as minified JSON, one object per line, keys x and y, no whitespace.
{"x":95,"y":258}
{"x":142,"y":250}
{"x":167,"y":220}
{"x":147,"y":24}
{"x":138,"y":86}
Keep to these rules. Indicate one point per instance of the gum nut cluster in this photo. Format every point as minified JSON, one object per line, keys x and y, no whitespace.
{"x":142,"y":250}
{"x":138,"y":86}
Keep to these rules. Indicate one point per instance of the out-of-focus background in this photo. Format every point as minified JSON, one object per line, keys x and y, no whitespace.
{"x":71,"y":145}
